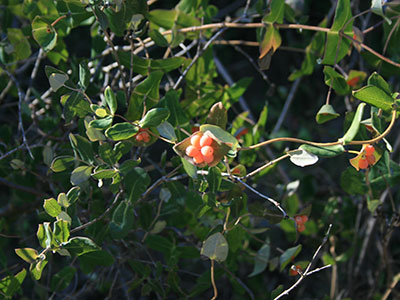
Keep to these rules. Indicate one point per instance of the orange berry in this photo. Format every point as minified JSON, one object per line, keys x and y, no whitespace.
{"x":146,"y":136}
{"x":198,"y":159}
{"x":294,"y":272}
{"x":301,"y":227}
{"x":205,"y":141}
{"x":371,"y":159}
{"x":195,"y":140}
{"x":369,"y":150}
{"x":208,"y":159}
{"x":304,"y":219}
{"x":191,"y":151}
{"x":207,"y":151}
{"x":139,"y":137}
{"x":299,"y":220}
{"x":363,"y":163}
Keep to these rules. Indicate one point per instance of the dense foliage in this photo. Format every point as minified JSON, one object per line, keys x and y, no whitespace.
{"x":199,"y":149}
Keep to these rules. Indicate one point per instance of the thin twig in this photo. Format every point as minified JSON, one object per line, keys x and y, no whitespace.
{"x":307,"y":271}
{"x":213,"y":281}
{"x":270,"y":163}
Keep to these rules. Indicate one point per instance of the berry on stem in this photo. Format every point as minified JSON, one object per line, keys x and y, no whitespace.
{"x":363,"y":163}
{"x":369,"y":150}
{"x":207,"y":151}
{"x":205,"y":141}
{"x":195,"y":140}
{"x":192,"y":151}
{"x":208,"y":159}
{"x":198,"y":159}
{"x":371,"y":159}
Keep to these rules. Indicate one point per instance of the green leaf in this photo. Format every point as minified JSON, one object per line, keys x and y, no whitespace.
{"x":27,"y":254}
{"x":37,"y":268}
{"x":276,"y":13}
{"x":62,"y":163}
{"x":221,"y":135}
{"x":189,"y":168}
{"x":328,"y":151}
{"x":64,"y":217}
{"x":171,"y":102}
{"x":101,"y":123}
{"x":73,"y":194}
{"x":166,"y":64}
{"x":288,"y":255}
{"x":51,"y":207}
{"x":111,"y":100}
{"x":57,"y":81}
{"x":352,"y":182}
{"x":136,"y":183}
{"x":162,"y":17}
{"x":121,"y":131}
{"x":158,"y":38}
{"x":214,"y":179}
{"x":378,"y":81}
{"x":84,"y":75}
{"x":75,"y":106}
{"x":336,"y":80}
{"x":372,"y":204}
{"x":375,"y":96}
{"x":122,"y":220}
{"x":45,"y":235}
{"x":62,"y":279}
{"x":376,"y":8}
{"x":80,"y":175}
{"x":302,"y":158}
{"x":355,"y":125}
{"x":104,"y":174}
{"x":215,"y":247}
{"x":159,"y":243}
{"x":218,"y":115}
{"x":261,"y":260}
{"x":326,"y":113}
{"x":154,"y":117}
{"x":89,"y":261}
{"x":22,"y":48}
{"x":80,"y":245}
{"x":271,"y":41}
{"x":167,"y":131}
{"x":61,"y":231}
{"x":82,"y":147}
{"x":9,"y":285}
{"x":44,"y":33}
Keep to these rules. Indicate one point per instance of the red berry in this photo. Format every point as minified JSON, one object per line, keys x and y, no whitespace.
{"x":205,"y":141}
{"x":369,"y":150}
{"x":207,"y":151}
{"x":304,"y":219}
{"x":208,"y":159}
{"x":146,"y":136}
{"x":363,"y":163}
{"x":371,"y":159}
{"x":195,"y":140}
{"x":301,"y":227}
{"x":139,"y":137}
{"x":191,"y":151}
{"x":299,"y":220}
{"x":198,"y":159}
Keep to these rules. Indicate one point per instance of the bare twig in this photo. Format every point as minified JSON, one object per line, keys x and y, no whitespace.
{"x":270,"y":163}
{"x":213,"y":281}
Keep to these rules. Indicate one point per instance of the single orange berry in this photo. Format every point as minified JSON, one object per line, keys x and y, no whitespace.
{"x":195,"y":140}
{"x":363,"y":163}
{"x":139,"y":137}
{"x":192,"y":151}
{"x":299,"y":220}
{"x":301,"y":227}
{"x":205,"y":141}
{"x":369,"y":150}
{"x":208,"y":159}
{"x":371,"y":159}
{"x":207,"y":151}
{"x":304,"y":219}
{"x":198,"y":159}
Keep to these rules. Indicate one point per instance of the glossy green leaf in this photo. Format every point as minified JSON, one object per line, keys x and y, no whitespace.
{"x":158,"y":38}
{"x":189,"y":168}
{"x":215,"y":247}
{"x":27,"y":254}
{"x":44,"y":33}
{"x":271,"y":42}
{"x":82,"y":147}
{"x":57,"y":81}
{"x":336,"y":80}
{"x":80,"y":175}
{"x":325,"y":114}
{"x":9,"y":285}
{"x":89,"y":261}
{"x":111,"y":100}
{"x":61,"y":231}
{"x":167,"y":131}
{"x":80,"y":245}
{"x":75,"y":106}
{"x":20,"y":44}
{"x":37,"y":268}
{"x":378,"y":81}
{"x":62,"y":200}
{"x":218,"y":115}
{"x":136,"y":183}
{"x":121,"y":131}
{"x":61,"y":279}
{"x":62,"y":163}
{"x":73,"y":194}
{"x":51,"y":207}
{"x":220,"y":135}
{"x":104,"y":174}
{"x":328,"y":151}
{"x":355,"y":125}
{"x":288,"y":255}
{"x":45,"y":235}
{"x":171,"y":102}
{"x":84,"y":75}
{"x":154,"y":117}
{"x":302,"y":158}
{"x":101,"y":123}
{"x":276,"y":13}
{"x":63,"y":216}
{"x":122,"y":220}
{"x":214,"y":179}
{"x":261,"y":260}
{"x":162,"y":17}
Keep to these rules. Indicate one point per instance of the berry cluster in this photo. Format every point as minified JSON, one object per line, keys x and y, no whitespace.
{"x":142,"y":136}
{"x":368,"y":158}
{"x":200,"y":149}
{"x":300,"y":221}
